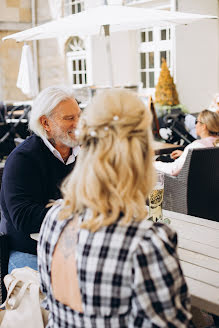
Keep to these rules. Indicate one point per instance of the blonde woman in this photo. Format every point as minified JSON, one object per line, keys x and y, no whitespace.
{"x":102,"y":264}
{"x":207,"y":128}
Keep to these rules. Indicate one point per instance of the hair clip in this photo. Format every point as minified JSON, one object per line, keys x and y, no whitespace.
{"x":106,"y":128}
{"x":115,"y":118}
{"x":93,"y":133}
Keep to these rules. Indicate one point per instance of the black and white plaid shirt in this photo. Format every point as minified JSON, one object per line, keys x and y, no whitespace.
{"x":129,"y":276}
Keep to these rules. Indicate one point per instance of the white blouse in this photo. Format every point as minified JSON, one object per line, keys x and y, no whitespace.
{"x":173,"y":168}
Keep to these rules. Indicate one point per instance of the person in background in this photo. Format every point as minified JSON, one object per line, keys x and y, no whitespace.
{"x":214,"y":106}
{"x":101,"y":263}
{"x":207,"y":128}
{"x":190,"y":119}
{"x":35,"y":169}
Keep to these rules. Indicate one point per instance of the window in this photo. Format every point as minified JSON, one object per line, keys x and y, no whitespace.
{"x":165,"y":34}
{"x":76,"y":61}
{"x":147,"y":36}
{"x":147,"y":69}
{"x":73,"y":6}
{"x":155,"y":44}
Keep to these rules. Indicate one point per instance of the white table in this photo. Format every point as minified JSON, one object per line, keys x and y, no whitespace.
{"x":198,"y":249}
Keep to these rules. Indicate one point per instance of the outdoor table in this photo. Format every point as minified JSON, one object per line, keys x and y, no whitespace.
{"x":165,"y":148}
{"x":198,"y":250}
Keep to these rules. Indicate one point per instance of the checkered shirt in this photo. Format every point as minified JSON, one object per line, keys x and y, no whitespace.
{"x":129,"y":276}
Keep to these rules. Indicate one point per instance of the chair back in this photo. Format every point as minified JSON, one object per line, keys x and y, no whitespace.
{"x":194,"y":191}
{"x":203,"y":183}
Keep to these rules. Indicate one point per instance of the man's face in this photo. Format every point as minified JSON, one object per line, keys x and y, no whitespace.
{"x":62,"y":123}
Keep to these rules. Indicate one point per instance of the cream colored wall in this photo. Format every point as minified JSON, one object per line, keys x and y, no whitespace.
{"x":15,"y":11}
{"x":197,"y":66}
{"x":11,"y":12}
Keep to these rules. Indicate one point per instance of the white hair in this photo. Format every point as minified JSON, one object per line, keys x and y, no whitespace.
{"x":44,"y":104}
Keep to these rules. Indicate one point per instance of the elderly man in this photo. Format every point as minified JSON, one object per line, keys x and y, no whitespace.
{"x":35,"y":169}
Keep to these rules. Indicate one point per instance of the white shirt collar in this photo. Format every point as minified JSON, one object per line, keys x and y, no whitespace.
{"x":56,"y":153}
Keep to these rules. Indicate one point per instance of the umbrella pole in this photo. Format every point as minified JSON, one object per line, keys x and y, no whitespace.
{"x":109,"y":53}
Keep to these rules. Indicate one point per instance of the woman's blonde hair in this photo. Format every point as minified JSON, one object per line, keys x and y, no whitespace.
{"x":114,"y":171}
{"x":211,"y":120}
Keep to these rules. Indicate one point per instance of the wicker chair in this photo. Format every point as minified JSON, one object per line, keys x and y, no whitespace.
{"x":196,"y":188}
{"x":4,"y":256}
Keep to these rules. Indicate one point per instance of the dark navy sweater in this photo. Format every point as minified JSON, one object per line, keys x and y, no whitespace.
{"x":32,"y":176}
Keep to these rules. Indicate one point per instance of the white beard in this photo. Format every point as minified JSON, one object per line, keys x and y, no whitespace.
{"x":65,"y":138}
{"x":68,"y":141}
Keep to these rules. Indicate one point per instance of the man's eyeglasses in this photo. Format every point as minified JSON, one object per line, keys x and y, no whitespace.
{"x":197,"y":121}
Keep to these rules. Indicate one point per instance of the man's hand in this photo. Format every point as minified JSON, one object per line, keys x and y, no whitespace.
{"x":176,"y":153}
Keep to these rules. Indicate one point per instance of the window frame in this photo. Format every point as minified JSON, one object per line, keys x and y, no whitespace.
{"x":156,"y":46}
{"x":76,"y":56}
{"x":68,"y":4}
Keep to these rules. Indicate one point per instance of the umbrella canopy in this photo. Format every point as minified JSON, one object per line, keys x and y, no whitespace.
{"x":119,"y":18}
{"x":27,"y":78}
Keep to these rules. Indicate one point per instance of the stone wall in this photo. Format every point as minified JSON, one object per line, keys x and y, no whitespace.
{"x":51,"y":56}
{"x":10,"y":54}
{"x":12,"y":13}
{"x":15,"y":10}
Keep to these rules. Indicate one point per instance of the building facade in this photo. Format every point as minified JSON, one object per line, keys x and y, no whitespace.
{"x":191,"y":51}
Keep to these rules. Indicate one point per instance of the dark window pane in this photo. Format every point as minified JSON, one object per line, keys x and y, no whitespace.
{"x":143,"y":60}
{"x":80,"y":78}
{"x":73,"y":9}
{"x":73,"y":65}
{"x":79,"y":7}
{"x":151,"y":79}
{"x":151,"y":60}
{"x":79,"y":65}
{"x":169,"y":33}
{"x":163,"y":34}
{"x":85,"y":65}
{"x":142,"y":36}
{"x":163,"y":54}
{"x":143,"y":79}
{"x":150,"y":36}
{"x":74,"y":79}
{"x":85,"y":75}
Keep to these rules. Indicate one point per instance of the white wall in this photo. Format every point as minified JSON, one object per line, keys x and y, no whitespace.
{"x":197,"y":67}
{"x":124,"y":59}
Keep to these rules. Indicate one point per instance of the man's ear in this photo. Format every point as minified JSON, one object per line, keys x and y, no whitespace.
{"x":45,"y":122}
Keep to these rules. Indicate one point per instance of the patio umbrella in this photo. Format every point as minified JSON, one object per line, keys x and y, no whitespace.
{"x":119,"y":18}
{"x":27,"y":78}
{"x":109,"y":18}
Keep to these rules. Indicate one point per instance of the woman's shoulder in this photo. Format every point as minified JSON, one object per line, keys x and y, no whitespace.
{"x":147,"y":232}
{"x":159,"y":233}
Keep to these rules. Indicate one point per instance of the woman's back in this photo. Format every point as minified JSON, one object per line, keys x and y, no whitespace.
{"x":128,"y":276}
